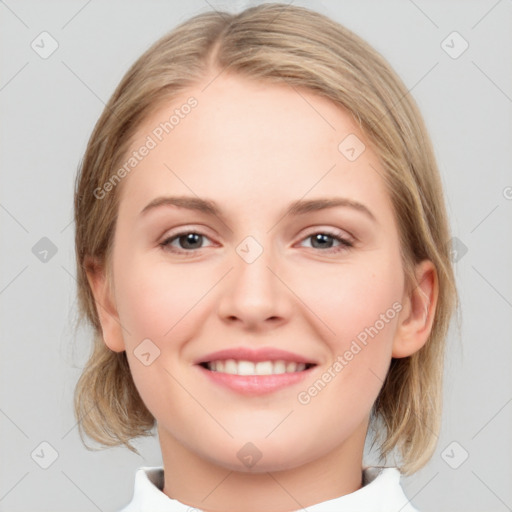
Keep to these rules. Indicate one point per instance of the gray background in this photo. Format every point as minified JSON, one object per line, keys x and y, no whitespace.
{"x":48,"y":109}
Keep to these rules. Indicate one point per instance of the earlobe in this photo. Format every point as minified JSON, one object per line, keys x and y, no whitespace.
{"x":105,"y":305}
{"x":417,"y":317}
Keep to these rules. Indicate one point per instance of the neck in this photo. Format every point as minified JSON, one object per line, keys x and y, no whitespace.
{"x":202,"y":484}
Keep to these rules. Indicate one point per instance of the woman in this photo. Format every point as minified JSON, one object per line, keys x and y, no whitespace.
{"x":315,"y":305}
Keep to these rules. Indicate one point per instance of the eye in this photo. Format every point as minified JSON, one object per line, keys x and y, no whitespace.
{"x":323,"y":240}
{"x":188,"y":242}
{"x":191,"y":241}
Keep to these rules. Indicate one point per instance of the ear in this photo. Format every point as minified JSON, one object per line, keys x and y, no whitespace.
{"x":417,"y":315}
{"x":105,"y":305}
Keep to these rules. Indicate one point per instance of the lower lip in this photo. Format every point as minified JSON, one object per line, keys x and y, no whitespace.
{"x":253,"y":385}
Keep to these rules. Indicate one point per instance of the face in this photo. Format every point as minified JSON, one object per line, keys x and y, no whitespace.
{"x":323,"y":285}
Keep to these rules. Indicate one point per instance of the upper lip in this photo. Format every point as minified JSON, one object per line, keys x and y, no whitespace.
{"x":255,"y":355}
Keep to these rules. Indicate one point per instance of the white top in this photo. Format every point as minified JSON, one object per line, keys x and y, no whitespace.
{"x":381,"y":492}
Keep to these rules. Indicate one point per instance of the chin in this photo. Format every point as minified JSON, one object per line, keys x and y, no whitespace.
{"x":261,"y":456}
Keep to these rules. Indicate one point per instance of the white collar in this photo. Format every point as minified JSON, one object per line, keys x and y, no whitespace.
{"x":381,"y":492}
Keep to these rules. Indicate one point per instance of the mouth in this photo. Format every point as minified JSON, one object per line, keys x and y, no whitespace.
{"x":246,"y":368}
{"x":254,"y":372}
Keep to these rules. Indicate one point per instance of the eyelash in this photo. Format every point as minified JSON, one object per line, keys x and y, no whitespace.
{"x":345,"y":244}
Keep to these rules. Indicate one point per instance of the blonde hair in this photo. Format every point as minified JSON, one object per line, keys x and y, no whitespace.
{"x":275,"y":43}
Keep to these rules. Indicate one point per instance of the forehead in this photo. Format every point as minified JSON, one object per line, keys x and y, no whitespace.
{"x":247,"y":139}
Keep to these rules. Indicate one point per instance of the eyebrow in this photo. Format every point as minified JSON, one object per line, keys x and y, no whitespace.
{"x":299,"y":207}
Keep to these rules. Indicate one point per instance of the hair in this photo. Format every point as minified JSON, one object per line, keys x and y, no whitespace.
{"x":275,"y":43}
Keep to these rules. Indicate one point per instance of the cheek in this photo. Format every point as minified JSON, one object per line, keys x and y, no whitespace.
{"x":360,"y":306}
{"x":156,"y":299}
{"x":157,"y":302}
{"x":355,"y":297}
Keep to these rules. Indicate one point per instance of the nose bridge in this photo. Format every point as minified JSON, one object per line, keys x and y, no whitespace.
{"x":252,"y":274}
{"x":254,"y":293}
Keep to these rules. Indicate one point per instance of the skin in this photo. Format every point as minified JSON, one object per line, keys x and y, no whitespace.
{"x":253,"y":148}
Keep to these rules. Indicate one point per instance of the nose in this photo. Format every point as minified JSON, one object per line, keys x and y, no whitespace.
{"x":253,"y":293}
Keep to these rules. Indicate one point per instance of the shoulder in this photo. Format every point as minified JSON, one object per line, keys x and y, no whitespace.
{"x":383,"y":483}
{"x":148,"y":491}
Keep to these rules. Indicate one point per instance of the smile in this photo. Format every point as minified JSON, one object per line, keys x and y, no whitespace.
{"x":241,"y":367}
{"x":255,"y":371}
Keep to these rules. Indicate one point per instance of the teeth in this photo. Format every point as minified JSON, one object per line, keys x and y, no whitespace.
{"x":230,"y":366}
{"x":291,"y":367}
{"x":246,"y":368}
{"x":267,"y":368}
{"x":249,"y":368}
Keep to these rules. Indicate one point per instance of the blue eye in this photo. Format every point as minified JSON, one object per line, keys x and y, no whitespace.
{"x":321,"y":240}
{"x":190,"y":241}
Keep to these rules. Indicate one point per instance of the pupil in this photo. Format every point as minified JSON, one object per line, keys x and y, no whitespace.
{"x":190,"y":239}
{"x":320,"y":237}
